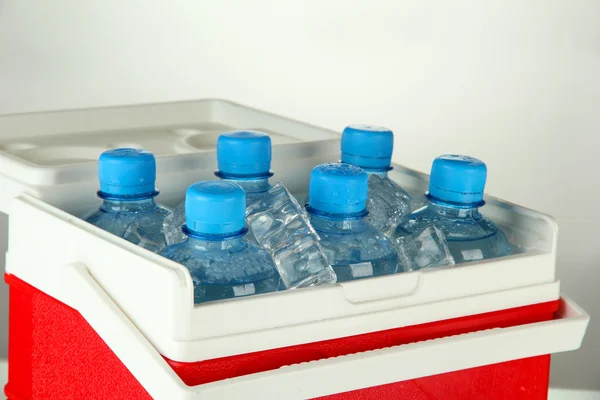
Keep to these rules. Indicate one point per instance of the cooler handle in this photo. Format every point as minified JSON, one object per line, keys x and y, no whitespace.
{"x":121,"y":335}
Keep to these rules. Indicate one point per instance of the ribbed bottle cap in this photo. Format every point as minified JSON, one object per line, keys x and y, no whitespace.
{"x":367,"y":146}
{"x":457,"y":179}
{"x":244,"y":153}
{"x":215,"y":207}
{"x":338,"y":188}
{"x":127,"y":173}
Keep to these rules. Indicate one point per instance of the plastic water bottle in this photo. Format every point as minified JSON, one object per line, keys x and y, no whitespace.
{"x":222,"y":262}
{"x":243,"y":157}
{"x":337,"y":208}
{"x":371,"y":147}
{"x":128,"y":210}
{"x":455,"y":195}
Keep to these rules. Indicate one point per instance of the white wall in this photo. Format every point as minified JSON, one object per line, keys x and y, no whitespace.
{"x":516,"y":83}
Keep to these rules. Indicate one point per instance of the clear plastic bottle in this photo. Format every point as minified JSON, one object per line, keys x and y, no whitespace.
{"x":370,"y":148}
{"x":222,"y":262}
{"x":337,"y":209}
{"x":455,"y":195}
{"x":243,"y":157}
{"x":127,"y":178}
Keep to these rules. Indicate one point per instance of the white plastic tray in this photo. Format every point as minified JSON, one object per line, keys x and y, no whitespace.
{"x":54,"y":155}
{"x":44,"y":156}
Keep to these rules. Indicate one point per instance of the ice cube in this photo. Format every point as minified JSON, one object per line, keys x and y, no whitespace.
{"x":283,"y":228}
{"x":137,"y":234}
{"x":387,"y":203}
{"x":424,"y":249}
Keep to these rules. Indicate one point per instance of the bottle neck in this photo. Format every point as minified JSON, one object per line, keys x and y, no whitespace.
{"x":251,"y":185}
{"x":450,"y":211}
{"x":337,"y":225}
{"x":232,"y":243}
{"x":379,"y":173}
{"x":129,"y":205}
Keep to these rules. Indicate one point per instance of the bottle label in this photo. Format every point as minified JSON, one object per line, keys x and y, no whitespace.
{"x":472,"y":255}
{"x":463,"y":212}
{"x":244,"y":290}
{"x":361,"y":270}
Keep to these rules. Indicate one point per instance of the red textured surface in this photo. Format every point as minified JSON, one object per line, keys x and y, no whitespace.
{"x":227,"y":367}
{"x":525,"y":379}
{"x":54,"y":353}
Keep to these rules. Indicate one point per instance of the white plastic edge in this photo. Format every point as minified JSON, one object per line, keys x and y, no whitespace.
{"x":140,"y":116}
{"x":163,"y":310}
{"x":119,"y":333}
{"x":323,"y":377}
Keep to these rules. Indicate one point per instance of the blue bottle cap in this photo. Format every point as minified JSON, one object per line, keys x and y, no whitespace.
{"x":457,"y":179}
{"x":215,"y":208}
{"x":244,"y":154}
{"x":367,"y":146}
{"x":127,"y":173}
{"x":338,"y":189}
